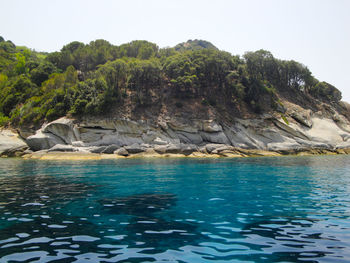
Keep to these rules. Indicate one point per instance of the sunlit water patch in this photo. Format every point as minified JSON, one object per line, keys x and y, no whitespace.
{"x":287,"y":209}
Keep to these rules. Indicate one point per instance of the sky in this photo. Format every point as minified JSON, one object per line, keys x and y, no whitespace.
{"x":313,"y":32}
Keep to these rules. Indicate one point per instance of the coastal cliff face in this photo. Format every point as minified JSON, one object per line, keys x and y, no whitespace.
{"x":138,"y":99}
{"x":297,"y":130}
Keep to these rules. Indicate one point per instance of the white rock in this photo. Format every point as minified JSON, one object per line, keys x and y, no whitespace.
{"x":62,"y":148}
{"x":10,"y":140}
{"x":159,"y":141}
{"x":79,"y":144}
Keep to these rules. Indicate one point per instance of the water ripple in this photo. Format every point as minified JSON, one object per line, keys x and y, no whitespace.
{"x":249,"y":210}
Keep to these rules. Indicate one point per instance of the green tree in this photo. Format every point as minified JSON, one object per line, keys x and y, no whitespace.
{"x":326,"y":91}
{"x":21,"y":63}
{"x":41,"y":72}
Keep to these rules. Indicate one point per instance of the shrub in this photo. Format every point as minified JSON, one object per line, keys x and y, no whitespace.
{"x":4,"y":120}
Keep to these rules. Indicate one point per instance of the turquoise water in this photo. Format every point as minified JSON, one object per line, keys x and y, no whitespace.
{"x":285,"y":209}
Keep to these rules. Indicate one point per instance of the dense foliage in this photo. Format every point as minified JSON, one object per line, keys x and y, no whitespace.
{"x":97,"y":77}
{"x":194,"y":45}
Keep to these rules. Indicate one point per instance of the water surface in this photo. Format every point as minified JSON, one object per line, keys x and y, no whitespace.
{"x":283,"y":209}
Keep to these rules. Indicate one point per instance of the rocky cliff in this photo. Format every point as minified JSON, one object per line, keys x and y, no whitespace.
{"x":298,"y":130}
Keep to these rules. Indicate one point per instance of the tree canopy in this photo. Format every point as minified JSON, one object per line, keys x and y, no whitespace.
{"x":94,"y":78}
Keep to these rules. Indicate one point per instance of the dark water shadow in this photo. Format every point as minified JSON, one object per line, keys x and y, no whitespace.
{"x":140,"y":204}
{"x":37,"y":192}
{"x":148,"y":226}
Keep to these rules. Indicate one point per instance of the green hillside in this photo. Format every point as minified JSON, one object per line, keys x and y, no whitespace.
{"x":97,"y":78}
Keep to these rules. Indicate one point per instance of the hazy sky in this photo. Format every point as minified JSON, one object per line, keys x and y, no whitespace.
{"x":313,"y":32}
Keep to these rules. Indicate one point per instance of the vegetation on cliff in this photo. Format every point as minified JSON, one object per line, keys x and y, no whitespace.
{"x":95,"y":78}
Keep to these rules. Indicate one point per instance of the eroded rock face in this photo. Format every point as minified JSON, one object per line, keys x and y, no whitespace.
{"x":298,"y":129}
{"x":62,"y":128}
{"x":11,"y":144}
{"x":303,"y":119}
{"x":43,"y":141}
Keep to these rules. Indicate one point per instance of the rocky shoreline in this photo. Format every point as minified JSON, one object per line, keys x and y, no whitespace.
{"x":300,"y":133}
{"x":235,"y":153}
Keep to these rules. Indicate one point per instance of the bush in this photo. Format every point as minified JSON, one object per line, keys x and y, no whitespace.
{"x":285,"y":119}
{"x":326,"y":91}
{"x":4,"y":120}
{"x":79,"y":107}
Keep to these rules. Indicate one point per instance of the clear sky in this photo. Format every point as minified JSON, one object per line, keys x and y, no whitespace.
{"x":313,"y":32}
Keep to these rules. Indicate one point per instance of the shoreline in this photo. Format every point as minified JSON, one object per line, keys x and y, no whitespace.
{"x":238,"y":153}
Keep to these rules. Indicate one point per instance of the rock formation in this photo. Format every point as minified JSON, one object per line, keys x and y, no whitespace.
{"x":298,"y":130}
{"x":11,"y":145}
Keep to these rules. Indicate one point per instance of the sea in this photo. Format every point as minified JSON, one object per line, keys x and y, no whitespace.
{"x":266,"y":209}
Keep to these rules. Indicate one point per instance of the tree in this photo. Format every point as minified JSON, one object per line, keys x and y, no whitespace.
{"x":41,"y":72}
{"x":21,"y":63}
{"x":139,"y":49}
{"x":115,"y":73}
{"x":261,"y":65}
{"x":8,"y":46}
{"x":72,"y":47}
{"x":326,"y":92}
{"x":143,"y":75}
